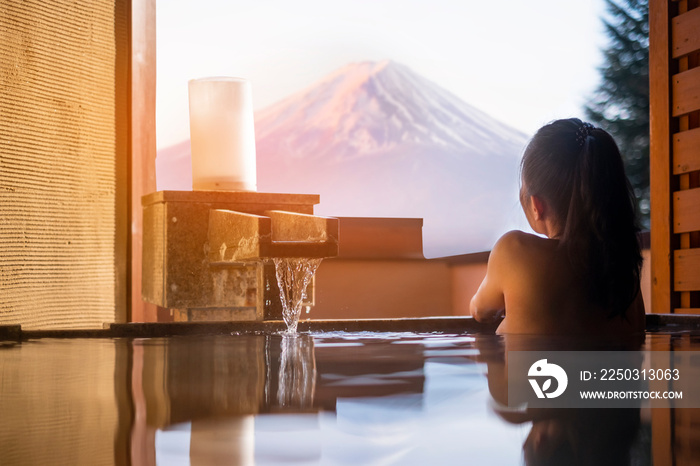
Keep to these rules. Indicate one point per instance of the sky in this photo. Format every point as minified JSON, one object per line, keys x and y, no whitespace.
{"x":523,"y":62}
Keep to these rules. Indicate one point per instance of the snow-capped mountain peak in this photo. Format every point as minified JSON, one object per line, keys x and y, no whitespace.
{"x":371,"y":108}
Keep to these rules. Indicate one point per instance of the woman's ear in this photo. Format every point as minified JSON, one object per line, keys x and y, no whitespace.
{"x":544,"y":223}
{"x":539,"y":207}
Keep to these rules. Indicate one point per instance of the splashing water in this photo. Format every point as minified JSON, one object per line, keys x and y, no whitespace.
{"x":293,"y":276}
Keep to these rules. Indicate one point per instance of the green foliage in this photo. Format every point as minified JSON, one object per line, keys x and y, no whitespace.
{"x":620,"y":104}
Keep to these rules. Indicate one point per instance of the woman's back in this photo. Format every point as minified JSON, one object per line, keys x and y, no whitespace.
{"x":584,"y":276}
{"x":544,"y":295}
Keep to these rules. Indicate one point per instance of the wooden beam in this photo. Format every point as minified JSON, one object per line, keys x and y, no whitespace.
{"x":686,"y":213}
{"x":683,"y":124}
{"x":660,"y":156}
{"x":686,"y":92}
{"x":122,"y":153}
{"x":684,"y":33}
{"x":143,"y":141}
{"x":686,"y":151}
{"x":686,"y":269}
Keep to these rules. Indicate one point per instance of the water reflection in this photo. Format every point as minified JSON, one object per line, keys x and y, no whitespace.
{"x":584,"y":436}
{"x":58,"y":404}
{"x":321,"y":399}
{"x":297,"y":372}
{"x":233,"y":393}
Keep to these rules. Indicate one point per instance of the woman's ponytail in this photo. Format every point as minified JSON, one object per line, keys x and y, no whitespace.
{"x":578,"y":170}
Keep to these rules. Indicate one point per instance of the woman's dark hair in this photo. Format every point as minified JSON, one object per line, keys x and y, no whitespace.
{"x":578,"y":171}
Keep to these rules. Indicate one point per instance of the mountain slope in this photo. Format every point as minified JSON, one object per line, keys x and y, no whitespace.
{"x":371,"y":108}
{"x":376,"y":139}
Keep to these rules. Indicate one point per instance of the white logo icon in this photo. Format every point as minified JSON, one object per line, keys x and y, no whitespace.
{"x":542,"y":368}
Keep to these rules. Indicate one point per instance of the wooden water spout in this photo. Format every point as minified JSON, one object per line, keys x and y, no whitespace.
{"x":238,"y":237}
{"x":206,"y":252}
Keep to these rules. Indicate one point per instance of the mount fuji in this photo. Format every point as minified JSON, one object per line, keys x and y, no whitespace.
{"x":375,"y":139}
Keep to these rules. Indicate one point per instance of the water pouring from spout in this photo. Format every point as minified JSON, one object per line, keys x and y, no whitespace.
{"x":293,"y":277}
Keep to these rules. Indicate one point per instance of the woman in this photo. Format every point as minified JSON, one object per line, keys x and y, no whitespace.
{"x":582,"y":277}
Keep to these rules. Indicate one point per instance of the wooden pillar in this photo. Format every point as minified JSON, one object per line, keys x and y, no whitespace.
{"x":674,"y":59}
{"x":660,"y":155}
{"x":142,"y":144}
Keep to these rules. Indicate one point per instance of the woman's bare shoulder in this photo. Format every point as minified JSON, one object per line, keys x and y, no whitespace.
{"x":516,"y":241}
{"x":517,"y":251}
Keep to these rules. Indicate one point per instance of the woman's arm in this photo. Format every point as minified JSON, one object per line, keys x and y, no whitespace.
{"x":488,"y":304}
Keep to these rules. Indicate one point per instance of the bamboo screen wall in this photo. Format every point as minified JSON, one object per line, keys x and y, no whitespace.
{"x":63,"y":115}
{"x":675,"y":155}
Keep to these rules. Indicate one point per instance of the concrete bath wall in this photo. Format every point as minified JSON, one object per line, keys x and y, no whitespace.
{"x":367,"y":289}
{"x":380,"y":273}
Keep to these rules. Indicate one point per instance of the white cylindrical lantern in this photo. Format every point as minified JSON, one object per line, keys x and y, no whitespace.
{"x":222,"y":134}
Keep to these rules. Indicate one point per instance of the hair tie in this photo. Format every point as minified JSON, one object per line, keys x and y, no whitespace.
{"x":583,"y":132}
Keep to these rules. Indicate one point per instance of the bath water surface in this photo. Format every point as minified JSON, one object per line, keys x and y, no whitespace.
{"x":321,"y":398}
